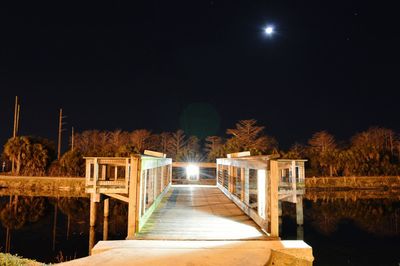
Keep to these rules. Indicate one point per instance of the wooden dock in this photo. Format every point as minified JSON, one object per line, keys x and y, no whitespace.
{"x":199,"y":213}
{"x":237,"y":217}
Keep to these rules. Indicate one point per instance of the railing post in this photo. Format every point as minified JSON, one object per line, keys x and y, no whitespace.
{"x":103,"y":171}
{"x":87,"y":175}
{"x":242,"y":184}
{"x":95,"y":174}
{"x":128,"y":170}
{"x":229,"y":178}
{"x":132,"y":201}
{"x":273,"y":181}
{"x":170,"y":174}
{"x":247,"y":186}
{"x":222,"y":175}
{"x":262,"y":194}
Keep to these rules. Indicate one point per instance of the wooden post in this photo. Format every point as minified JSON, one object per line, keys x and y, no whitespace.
{"x":103,"y":172}
{"x":231,"y":179}
{"x":162,"y":171}
{"x":106,"y":214}
{"x":300,"y":233}
{"x":262,"y":194}
{"x":87,"y":174}
{"x":247,"y":186}
{"x":170,"y":173}
{"x":132,"y":202}
{"x":116,"y":173}
{"x":222,"y":167}
{"x":95,"y":174}
{"x":242,"y":184}
{"x":293,"y":169}
{"x":143,"y":199}
{"x":299,"y":210}
{"x":93,"y":210}
{"x":217,"y":173}
{"x":273,"y":182}
{"x":91,"y":239}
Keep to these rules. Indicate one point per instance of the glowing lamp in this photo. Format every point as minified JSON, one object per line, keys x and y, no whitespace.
{"x":192,"y":170}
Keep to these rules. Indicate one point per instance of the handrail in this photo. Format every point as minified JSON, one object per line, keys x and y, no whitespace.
{"x":252,"y":183}
{"x":140,"y":180}
{"x":155,"y":180}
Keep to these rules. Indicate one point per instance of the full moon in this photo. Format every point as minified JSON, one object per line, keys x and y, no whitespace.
{"x":269,"y":30}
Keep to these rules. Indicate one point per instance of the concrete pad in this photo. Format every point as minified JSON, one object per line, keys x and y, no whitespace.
{"x":176,"y":253}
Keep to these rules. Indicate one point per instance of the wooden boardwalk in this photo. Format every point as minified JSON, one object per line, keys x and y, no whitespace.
{"x":199,"y":213}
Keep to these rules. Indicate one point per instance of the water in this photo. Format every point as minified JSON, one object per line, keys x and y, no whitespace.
{"x":351,"y":230}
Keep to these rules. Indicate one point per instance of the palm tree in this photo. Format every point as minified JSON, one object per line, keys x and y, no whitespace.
{"x":35,"y":159}
{"x":16,"y":149}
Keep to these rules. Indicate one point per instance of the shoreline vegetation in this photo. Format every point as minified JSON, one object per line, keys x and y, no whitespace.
{"x":75,"y":186}
{"x":7,"y":259}
{"x":373,"y":152}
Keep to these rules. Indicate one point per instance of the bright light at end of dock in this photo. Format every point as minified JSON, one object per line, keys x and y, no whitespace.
{"x":192,"y":170}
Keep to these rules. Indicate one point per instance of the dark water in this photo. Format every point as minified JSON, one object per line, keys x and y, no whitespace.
{"x":356,"y":231}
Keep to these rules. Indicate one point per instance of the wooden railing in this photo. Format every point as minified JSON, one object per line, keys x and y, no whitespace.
{"x":140,"y":180}
{"x":155,"y":180}
{"x":107,"y":175}
{"x":252,"y":183}
{"x":291,"y":179}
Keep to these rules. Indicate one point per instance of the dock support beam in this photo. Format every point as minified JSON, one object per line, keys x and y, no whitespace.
{"x":299,"y":211}
{"x":94,"y":198}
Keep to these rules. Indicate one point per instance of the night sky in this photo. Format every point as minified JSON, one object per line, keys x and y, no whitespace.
{"x":201,"y":66}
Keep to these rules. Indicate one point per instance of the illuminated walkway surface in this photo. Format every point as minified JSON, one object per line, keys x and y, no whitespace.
{"x":210,"y":253}
{"x":199,"y":213}
{"x":177,"y":232}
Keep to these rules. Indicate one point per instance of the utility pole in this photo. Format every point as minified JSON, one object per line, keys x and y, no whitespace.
{"x":15,"y":129}
{"x":18,"y":119}
{"x":72,"y":139}
{"x":15,"y":117}
{"x":60,"y":129}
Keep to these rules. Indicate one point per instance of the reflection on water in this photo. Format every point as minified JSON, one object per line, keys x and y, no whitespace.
{"x":348,"y":227}
{"x":47,"y":229}
{"x":342,"y":227}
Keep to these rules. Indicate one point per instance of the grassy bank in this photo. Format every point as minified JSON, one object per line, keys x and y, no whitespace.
{"x":15,"y":260}
{"x":359,"y":182}
{"x":42,"y":186}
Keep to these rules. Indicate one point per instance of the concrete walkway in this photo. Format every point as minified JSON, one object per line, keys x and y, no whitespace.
{"x":179,"y":253}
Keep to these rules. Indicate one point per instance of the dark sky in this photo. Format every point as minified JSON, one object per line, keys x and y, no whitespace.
{"x":330,"y":65}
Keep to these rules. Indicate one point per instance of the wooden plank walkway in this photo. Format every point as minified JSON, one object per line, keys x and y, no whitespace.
{"x":199,"y":213}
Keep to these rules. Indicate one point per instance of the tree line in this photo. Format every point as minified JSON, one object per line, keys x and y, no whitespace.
{"x":372,"y":152}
